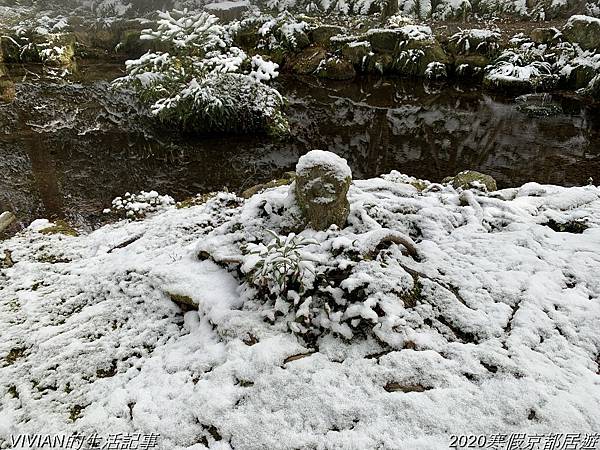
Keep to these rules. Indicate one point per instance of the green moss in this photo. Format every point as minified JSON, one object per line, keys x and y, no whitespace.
{"x":472,"y":60}
{"x":195,"y":201}
{"x":307,"y":61}
{"x":60,"y":227}
{"x":184,"y":300}
{"x":321,"y":35}
{"x":336,"y":69}
{"x":419,"y":185}
{"x":467,"y":178}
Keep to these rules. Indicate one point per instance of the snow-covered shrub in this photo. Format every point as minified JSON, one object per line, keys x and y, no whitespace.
{"x":476,"y":41}
{"x":496,"y":8}
{"x":399,"y":20}
{"x":417,"y":8}
{"x":452,"y":9}
{"x":280,"y":266}
{"x":110,"y":8}
{"x":138,"y":206}
{"x":323,"y":6}
{"x":593,"y":8}
{"x":42,"y":40}
{"x":523,"y":64}
{"x":524,"y":68}
{"x":436,"y":71}
{"x":204,"y":83}
{"x":276,"y":33}
{"x":577,"y":67}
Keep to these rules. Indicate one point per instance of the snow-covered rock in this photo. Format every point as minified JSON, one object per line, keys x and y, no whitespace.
{"x":583,"y":30}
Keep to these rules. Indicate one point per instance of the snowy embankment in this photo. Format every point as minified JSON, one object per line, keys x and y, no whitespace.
{"x":492,"y":328}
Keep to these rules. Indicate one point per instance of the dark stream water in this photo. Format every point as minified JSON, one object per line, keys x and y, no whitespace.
{"x":67,"y":149}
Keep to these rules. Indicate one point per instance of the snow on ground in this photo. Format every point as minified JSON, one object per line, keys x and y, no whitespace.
{"x":502,"y":335}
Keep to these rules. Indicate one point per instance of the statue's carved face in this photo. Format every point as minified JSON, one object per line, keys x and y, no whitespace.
{"x":322,"y":198}
{"x":321,"y":188}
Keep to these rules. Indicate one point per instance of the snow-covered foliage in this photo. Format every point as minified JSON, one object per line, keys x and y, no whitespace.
{"x":477,"y":41}
{"x":436,"y":9}
{"x":495,"y":323}
{"x":280,"y":267}
{"x":204,"y":83}
{"x":42,"y":39}
{"x":527,"y":67}
{"x":282,"y":32}
{"x":140,"y":205}
{"x":452,"y":9}
{"x":110,"y":8}
{"x":436,"y":71}
{"x":524,"y":65}
{"x":189,"y":31}
{"x":593,"y":8}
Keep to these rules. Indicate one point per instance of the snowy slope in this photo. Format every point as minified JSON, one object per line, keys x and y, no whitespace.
{"x":502,"y":338}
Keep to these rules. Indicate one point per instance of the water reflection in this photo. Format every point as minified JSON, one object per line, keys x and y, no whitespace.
{"x":67,"y":150}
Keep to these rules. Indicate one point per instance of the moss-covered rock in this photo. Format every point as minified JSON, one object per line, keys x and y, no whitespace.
{"x":580,"y":74}
{"x":14,"y":50}
{"x":382,"y":63}
{"x":472,"y":60}
{"x":60,"y":51}
{"x":308,"y":60}
{"x":131,"y":45}
{"x":385,"y":40}
{"x":53,"y":49}
{"x":357,"y":53}
{"x":8,"y":91}
{"x":471,"y":178}
{"x":474,"y":43}
{"x":321,"y":189}
{"x":545,"y":35}
{"x":336,"y":68}
{"x":247,"y":38}
{"x":415,"y":56}
{"x":321,"y":35}
{"x":470,"y":67}
{"x":583,"y":30}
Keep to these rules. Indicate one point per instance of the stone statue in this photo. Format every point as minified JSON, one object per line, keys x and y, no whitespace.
{"x":321,"y":188}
